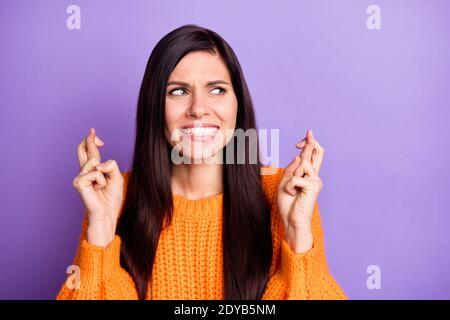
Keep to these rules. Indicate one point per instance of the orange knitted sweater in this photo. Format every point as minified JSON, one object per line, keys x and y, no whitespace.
{"x":188,"y":261}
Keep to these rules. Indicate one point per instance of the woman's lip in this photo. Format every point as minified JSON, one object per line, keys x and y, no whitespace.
{"x":200,"y":125}
{"x":200,"y":137}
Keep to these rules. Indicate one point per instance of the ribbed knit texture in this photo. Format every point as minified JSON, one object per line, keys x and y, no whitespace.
{"x":188,"y":262}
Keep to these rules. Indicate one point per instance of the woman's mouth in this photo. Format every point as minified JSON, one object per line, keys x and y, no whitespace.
{"x":200,"y":133}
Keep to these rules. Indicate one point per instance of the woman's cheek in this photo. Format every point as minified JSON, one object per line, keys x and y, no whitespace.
{"x":227,"y":110}
{"x":171,"y":133}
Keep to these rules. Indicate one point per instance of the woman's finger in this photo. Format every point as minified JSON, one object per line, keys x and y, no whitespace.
{"x":89,"y":166}
{"x":309,"y":146}
{"x":83,"y":181}
{"x":290,"y":169}
{"x":99,"y":142}
{"x":305,"y":168}
{"x":111,"y":169}
{"x":82,"y":153}
{"x":92,"y":149}
{"x":301,"y":144}
{"x":294,"y":182}
{"x":82,"y":150}
{"x":318,"y":156}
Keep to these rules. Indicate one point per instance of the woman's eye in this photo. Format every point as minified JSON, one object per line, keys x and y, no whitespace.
{"x":218,"y":90}
{"x":178,"y":92}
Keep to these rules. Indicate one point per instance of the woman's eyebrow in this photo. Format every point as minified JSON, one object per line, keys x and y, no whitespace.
{"x":215,"y":82}
{"x":178,"y":83}
{"x":185,"y":84}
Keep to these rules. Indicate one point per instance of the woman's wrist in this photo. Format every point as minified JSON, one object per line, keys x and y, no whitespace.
{"x":300,"y":240}
{"x":100,"y":233}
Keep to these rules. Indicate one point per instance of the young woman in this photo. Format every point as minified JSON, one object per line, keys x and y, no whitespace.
{"x":199,"y":229}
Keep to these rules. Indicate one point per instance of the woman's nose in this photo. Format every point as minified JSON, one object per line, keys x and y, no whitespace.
{"x":198,"y":107}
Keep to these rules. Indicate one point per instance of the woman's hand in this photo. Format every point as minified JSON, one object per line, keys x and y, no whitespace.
{"x":298,"y":191}
{"x":100,"y":186}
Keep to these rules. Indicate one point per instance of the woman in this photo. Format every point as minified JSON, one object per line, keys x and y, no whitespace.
{"x":202,"y":227}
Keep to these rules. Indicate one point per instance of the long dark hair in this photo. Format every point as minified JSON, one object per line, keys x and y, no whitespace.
{"x":247,"y":238}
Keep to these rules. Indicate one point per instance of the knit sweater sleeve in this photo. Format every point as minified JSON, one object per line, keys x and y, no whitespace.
{"x":100,"y":276}
{"x":298,"y":276}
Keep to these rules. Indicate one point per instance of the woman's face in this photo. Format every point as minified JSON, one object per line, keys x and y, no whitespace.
{"x":201,"y":107}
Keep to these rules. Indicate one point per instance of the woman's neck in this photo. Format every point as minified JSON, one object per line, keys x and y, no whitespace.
{"x":197,"y":181}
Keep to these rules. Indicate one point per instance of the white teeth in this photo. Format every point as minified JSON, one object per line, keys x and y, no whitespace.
{"x":199,"y":131}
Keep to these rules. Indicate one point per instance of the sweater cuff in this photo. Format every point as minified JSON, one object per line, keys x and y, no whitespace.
{"x":297,"y":269}
{"x":99,"y":262}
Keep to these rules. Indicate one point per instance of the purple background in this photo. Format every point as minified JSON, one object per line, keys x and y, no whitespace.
{"x":377,"y":101}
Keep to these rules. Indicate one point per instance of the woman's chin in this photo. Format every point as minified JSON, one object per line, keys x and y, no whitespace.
{"x":200,"y":160}
{"x":200,"y":151}
{"x":202,"y":156}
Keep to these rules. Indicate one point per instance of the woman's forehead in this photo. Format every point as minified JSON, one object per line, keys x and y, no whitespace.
{"x":200,"y":66}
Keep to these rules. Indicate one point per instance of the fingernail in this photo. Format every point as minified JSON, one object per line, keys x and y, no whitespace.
{"x":98,"y":140}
